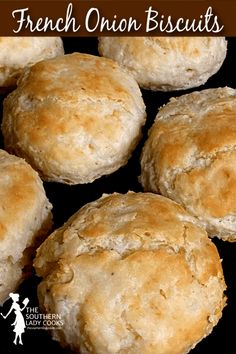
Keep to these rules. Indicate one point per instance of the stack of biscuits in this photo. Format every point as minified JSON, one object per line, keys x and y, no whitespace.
{"x":132,"y":272}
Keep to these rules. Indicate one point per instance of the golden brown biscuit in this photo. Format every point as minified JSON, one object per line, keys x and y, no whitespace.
{"x":25,"y":218}
{"x":190,"y":157}
{"x":167,"y":63}
{"x":74,"y":118}
{"x":17,"y":53}
{"x":131,"y":273}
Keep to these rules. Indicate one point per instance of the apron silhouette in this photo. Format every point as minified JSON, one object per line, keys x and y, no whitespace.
{"x":19,"y":323}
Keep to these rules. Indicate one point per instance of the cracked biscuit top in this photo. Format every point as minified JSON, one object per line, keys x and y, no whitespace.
{"x":74,"y":118}
{"x":131,"y":273}
{"x":190,"y":157}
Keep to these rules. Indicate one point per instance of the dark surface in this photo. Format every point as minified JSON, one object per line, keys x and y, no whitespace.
{"x":68,"y":199}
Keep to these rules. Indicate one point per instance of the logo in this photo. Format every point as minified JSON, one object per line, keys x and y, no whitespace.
{"x":19,"y":323}
{"x":32,"y":319}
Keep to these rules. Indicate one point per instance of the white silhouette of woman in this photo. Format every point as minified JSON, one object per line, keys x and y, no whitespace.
{"x":19,"y":322}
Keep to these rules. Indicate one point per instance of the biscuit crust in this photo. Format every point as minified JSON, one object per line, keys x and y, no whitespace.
{"x":74,"y":118}
{"x":167,"y":63}
{"x":25,"y":219}
{"x":17,"y":53}
{"x":190,"y":157}
{"x":131,"y":273}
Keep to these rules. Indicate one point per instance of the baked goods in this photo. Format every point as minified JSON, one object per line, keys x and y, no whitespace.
{"x":167,"y":63}
{"x":74,"y":118}
{"x":25,"y":218}
{"x":190,"y":157}
{"x":17,"y":53}
{"x":131,"y":273}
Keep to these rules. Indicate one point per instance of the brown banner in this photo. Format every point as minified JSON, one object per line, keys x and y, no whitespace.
{"x":127,"y":18}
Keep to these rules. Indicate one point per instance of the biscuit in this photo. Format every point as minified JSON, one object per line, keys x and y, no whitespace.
{"x":25,"y":218}
{"x":131,"y":273}
{"x":17,"y":53}
{"x":190,"y":157}
{"x":167,"y":63}
{"x":74,"y":118}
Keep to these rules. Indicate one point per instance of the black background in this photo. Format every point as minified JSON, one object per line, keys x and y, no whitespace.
{"x":68,"y":199}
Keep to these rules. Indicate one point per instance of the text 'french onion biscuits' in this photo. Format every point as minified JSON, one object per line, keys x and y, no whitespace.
{"x":17,"y":53}
{"x":131,"y":273}
{"x":25,"y":219}
{"x":190,"y":156}
{"x":167,"y":63}
{"x":74,"y":118}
